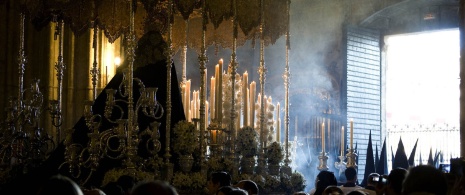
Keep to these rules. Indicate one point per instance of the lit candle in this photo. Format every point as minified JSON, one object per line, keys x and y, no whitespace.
{"x":323,"y":137}
{"x":192,"y":110}
{"x":245,"y":80}
{"x":220,"y":90}
{"x":188,"y":99}
{"x":252,"y":103}
{"x":217,"y":87}
{"x":247,"y":108}
{"x":212,"y":98}
{"x":342,"y":141}
{"x":351,"y":134}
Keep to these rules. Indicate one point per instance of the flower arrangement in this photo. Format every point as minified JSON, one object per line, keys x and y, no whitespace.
{"x":274,"y":153}
{"x":185,"y":138}
{"x":247,"y":142}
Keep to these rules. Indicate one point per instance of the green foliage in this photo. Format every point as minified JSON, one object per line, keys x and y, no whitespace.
{"x":185,"y":140}
{"x":274,"y":153}
{"x":247,"y":142}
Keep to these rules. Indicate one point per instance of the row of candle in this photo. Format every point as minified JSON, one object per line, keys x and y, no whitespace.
{"x":214,"y":106}
{"x":342,"y":136}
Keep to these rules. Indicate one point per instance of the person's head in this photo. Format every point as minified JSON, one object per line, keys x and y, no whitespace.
{"x":217,"y":180}
{"x":248,"y":185}
{"x":333,"y":190}
{"x":224,"y":190}
{"x":113,"y":188}
{"x":59,"y":184}
{"x":153,"y":187}
{"x":425,"y":179}
{"x":237,"y":191}
{"x":351,"y":174}
{"x":323,"y":180}
{"x":371,"y":181}
{"x":357,"y":192}
{"x":126,"y":182}
{"x":395,"y":179}
{"x":94,"y":192}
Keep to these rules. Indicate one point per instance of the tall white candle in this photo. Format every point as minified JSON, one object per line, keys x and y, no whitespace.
{"x":217,"y":89}
{"x":323,"y":137}
{"x":342,"y":141}
{"x":252,"y":89}
{"x":245,"y":80}
{"x":220,"y":90}
{"x":351,"y":134}
{"x":247,"y":108}
{"x":188,"y":99}
{"x":212,"y":98}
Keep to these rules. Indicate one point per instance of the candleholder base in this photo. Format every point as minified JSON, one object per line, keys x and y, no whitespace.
{"x":323,"y":162}
{"x":351,"y":158}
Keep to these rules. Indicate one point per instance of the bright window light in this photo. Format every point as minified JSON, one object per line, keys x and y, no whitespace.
{"x":423,"y":78}
{"x":422,"y":92}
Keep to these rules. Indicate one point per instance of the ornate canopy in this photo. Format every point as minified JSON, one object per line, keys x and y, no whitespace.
{"x":111,"y":17}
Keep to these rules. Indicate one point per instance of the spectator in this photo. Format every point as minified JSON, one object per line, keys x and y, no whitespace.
{"x":372,"y":182}
{"x":94,"y":192}
{"x":249,"y":186}
{"x":224,"y":190}
{"x":218,"y":180}
{"x":153,"y":187}
{"x":59,"y":184}
{"x":357,"y":192}
{"x":351,"y":184}
{"x":323,"y":180}
{"x":333,"y":190}
{"x":127,"y":183}
{"x":113,"y":188}
{"x":237,"y":191}
{"x":425,"y":179}
{"x":394,"y":182}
